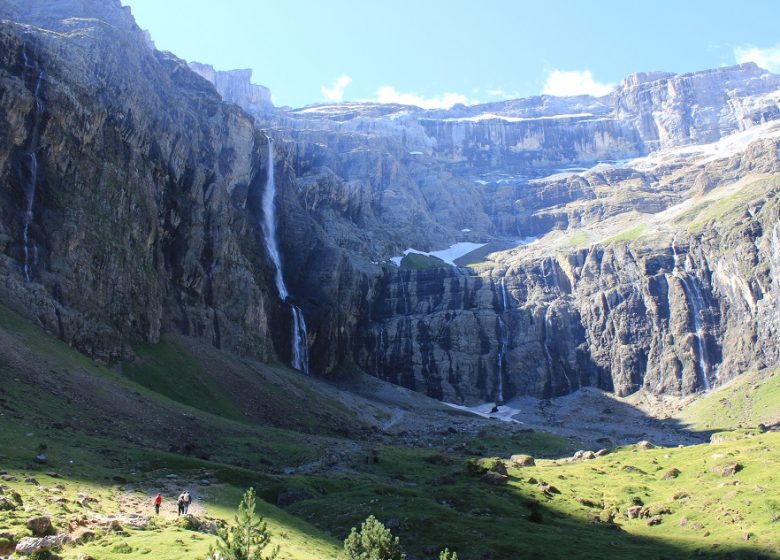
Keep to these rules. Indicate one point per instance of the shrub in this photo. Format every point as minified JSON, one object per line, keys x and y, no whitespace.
{"x":246,"y":539}
{"x":373,"y":541}
{"x":447,"y":555}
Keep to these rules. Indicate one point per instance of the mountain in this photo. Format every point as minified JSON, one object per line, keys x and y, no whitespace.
{"x":625,"y":242}
{"x":202,"y":291}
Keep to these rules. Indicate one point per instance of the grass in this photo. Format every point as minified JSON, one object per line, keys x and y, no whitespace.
{"x":748,"y":400}
{"x":630,"y":235}
{"x":416,"y":261}
{"x":169,"y":370}
{"x":729,"y":207}
{"x":578,"y":239}
{"x":425,"y":492}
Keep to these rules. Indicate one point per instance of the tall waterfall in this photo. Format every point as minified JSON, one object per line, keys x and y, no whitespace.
{"x":30,"y":164}
{"x":299,"y":336}
{"x":696,"y":300}
{"x":503,"y":333}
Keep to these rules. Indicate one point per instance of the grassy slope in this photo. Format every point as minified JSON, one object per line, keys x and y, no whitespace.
{"x":748,"y":400}
{"x":427,"y":491}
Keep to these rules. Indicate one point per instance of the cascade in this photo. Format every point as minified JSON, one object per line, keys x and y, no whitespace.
{"x":30,"y":170}
{"x":503,"y":333}
{"x":695,"y":299}
{"x":299,"y":338}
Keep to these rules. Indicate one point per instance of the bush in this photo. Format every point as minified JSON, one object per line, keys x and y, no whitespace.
{"x":247,"y":538}
{"x":373,"y":541}
{"x":447,"y":555}
{"x":473,"y":468}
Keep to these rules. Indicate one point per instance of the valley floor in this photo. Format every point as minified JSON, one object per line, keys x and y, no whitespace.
{"x":324,"y":457}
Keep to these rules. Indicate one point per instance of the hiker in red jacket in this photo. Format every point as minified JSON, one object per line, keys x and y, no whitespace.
{"x":157,"y":502}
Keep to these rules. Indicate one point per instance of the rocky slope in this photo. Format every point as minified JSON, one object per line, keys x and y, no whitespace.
{"x":132,"y":207}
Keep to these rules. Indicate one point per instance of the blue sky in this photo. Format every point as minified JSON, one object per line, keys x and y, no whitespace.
{"x":436,"y":52}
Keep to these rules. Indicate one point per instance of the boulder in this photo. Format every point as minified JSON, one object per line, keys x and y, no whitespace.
{"x":39,"y":526}
{"x":494,"y":478}
{"x":522,"y":461}
{"x":728,"y":470}
{"x":601,"y":452}
{"x":31,"y":545}
{"x":671,"y":473}
{"x":644,"y":444}
{"x":633,"y":512}
{"x":41,"y":459}
{"x":655,"y":520}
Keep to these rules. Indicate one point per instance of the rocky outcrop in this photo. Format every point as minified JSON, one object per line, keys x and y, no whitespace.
{"x":235,"y":86}
{"x":129,"y":191}
{"x":131,"y":207}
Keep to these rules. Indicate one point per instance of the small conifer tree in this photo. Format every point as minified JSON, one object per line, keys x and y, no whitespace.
{"x":247,"y":538}
{"x":447,"y":555}
{"x":373,"y":541}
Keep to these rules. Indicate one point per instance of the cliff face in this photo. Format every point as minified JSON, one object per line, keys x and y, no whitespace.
{"x":132,"y":206}
{"x":235,"y":86}
{"x":127,"y":191}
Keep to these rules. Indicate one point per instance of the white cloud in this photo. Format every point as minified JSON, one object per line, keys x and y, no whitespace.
{"x":768,"y":58}
{"x":563,"y":83}
{"x":388,"y":94}
{"x":336,"y":93}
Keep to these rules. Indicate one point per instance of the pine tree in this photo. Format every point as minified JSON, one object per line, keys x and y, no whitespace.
{"x":246,"y":539}
{"x":373,"y":542}
{"x":447,"y":555}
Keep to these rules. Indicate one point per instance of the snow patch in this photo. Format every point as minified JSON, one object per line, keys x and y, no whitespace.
{"x":506,"y":118}
{"x":449,"y":255}
{"x":505,"y":413}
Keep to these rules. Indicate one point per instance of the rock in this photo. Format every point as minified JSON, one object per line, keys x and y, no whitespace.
{"x":655,"y":520}
{"x":644,"y":444}
{"x":40,"y":526}
{"x":83,"y":536}
{"x":682,"y":495}
{"x":633,"y":469}
{"x":586,"y":502}
{"x":633,"y":512}
{"x":53,"y":474}
{"x":31,"y":480}
{"x":41,"y":459}
{"x":522,"y":460}
{"x":291,"y":496}
{"x":83,"y":556}
{"x":728,"y":470}
{"x":588,"y":455}
{"x":494,"y":464}
{"x":30,"y":545}
{"x":671,"y":473}
{"x":494,"y":478}
{"x":7,"y":504}
{"x":601,"y":452}
{"x":8,"y":478}
{"x":395,"y":524}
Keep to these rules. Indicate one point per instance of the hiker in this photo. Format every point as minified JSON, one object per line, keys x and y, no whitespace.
{"x":187,"y":500}
{"x":180,"y":504}
{"x":157,"y":503}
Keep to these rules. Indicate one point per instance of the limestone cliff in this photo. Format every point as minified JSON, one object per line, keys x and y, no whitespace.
{"x":131,"y":206}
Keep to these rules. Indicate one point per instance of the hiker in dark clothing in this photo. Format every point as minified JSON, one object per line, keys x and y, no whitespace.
{"x":187,"y":501}
{"x":180,"y":504}
{"x":157,"y":503}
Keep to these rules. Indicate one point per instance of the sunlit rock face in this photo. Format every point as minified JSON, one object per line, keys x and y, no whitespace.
{"x":626,"y":241}
{"x":235,"y":86}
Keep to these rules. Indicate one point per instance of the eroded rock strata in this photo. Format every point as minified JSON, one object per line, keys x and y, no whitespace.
{"x":131,"y":207}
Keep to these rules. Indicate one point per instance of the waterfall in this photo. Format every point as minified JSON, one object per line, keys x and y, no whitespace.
{"x":299,"y":337}
{"x":300,"y":346}
{"x":696,"y":300}
{"x":30,"y":170}
{"x":269,"y":223}
{"x":503,"y":332}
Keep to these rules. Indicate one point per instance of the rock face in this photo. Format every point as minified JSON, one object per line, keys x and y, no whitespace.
{"x":138,"y":214}
{"x":235,"y":87}
{"x":131,"y":207}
